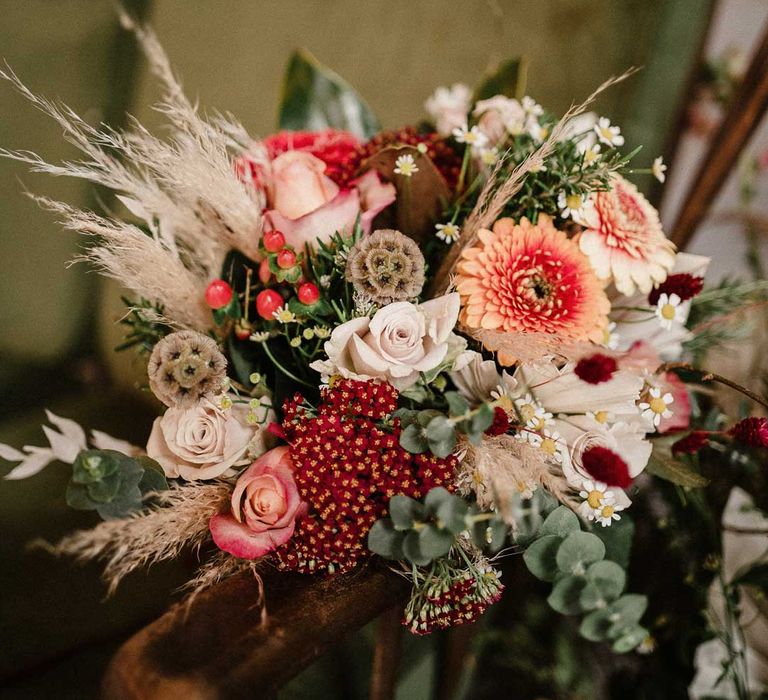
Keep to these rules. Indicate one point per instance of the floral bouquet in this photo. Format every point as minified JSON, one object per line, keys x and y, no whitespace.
{"x":438,"y":345}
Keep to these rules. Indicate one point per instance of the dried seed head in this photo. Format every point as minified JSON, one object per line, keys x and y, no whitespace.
{"x":185,"y":366}
{"x":387,"y":266}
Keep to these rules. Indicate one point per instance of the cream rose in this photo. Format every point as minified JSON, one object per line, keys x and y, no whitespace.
{"x":399,"y":342}
{"x":203,"y":441}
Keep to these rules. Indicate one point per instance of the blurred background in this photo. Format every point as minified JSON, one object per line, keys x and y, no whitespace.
{"x":59,"y":325}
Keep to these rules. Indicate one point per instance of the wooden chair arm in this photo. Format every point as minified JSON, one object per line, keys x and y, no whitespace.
{"x":220,"y":647}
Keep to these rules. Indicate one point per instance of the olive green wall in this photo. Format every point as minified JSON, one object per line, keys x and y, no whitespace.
{"x":231,"y":55}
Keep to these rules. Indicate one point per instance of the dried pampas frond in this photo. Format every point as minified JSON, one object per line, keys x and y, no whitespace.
{"x":179,"y":520}
{"x":495,"y":194}
{"x":185,"y":189}
{"x":220,"y":566}
{"x":500,"y":468}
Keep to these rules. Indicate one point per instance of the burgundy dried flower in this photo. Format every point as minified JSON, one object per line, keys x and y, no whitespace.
{"x":684,"y":285}
{"x":595,"y":369}
{"x":605,"y":465}
{"x":500,"y":423}
{"x":751,"y":431}
{"x":691,"y":443}
{"x":347,"y":467}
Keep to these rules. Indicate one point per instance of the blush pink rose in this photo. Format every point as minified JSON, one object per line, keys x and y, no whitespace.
{"x":265,"y":506}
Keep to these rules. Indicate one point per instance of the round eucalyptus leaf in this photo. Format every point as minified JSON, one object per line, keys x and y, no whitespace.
{"x":595,"y":626}
{"x":412,"y":549}
{"x":561,"y":521}
{"x":404,"y":512}
{"x":608,"y":578}
{"x":626,"y":611}
{"x":413,"y":440}
{"x":435,"y":542}
{"x":384,"y":540}
{"x":566,"y":595}
{"x":578,"y":551}
{"x":630,"y":639}
{"x":541,"y":557}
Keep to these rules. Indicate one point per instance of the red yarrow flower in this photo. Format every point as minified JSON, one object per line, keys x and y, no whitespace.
{"x":691,"y":443}
{"x":595,"y":369}
{"x":605,"y":465}
{"x":752,"y":432}
{"x":684,"y":285}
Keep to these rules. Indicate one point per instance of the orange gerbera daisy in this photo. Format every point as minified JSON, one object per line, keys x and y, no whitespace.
{"x":531,"y":278}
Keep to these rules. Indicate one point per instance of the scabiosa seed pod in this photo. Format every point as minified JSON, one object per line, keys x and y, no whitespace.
{"x":684,"y":285}
{"x":387,"y":266}
{"x":184,"y":367}
{"x":605,"y":465}
{"x":595,"y":369}
{"x":751,"y":431}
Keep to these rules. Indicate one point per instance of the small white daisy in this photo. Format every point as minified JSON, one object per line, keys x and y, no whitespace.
{"x":595,"y":495}
{"x":532,"y":414}
{"x":406,"y":165}
{"x":284,"y":315}
{"x":325,"y":281}
{"x":259,"y":336}
{"x":600,"y":417}
{"x":474,"y":137}
{"x":536,"y":130}
{"x":657,"y":406}
{"x":571,"y":205}
{"x":526,"y":488}
{"x":591,"y":152}
{"x":448,"y":233}
{"x":531,"y":107}
{"x":489,"y":156}
{"x":607,"y":513}
{"x":609,"y":135}
{"x":659,"y":169}
{"x":669,"y":310}
{"x":611,"y":337}
{"x":552,"y":444}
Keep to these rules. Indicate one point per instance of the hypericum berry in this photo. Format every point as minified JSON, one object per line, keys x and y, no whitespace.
{"x":595,"y":369}
{"x":605,"y":465}
{"x":242,"y":331}
{"x":265,"y":274}
{"x":267,"y":302}
{"x":751,"y":431}
{"x":218,"y":294}
{"x":286,"y":259}
{"x":684,"y":285}
{"x":273,"y":241}
{"x":308,"y":293}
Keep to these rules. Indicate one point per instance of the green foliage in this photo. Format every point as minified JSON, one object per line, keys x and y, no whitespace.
{"x":421,"y":533}
{"x":112,"y":483}
{"x":585,"y":582}
{"x":508,"y":78}
{"x":144,"y":331}
{"x":682,"y":473}
{"x":314,"y":98}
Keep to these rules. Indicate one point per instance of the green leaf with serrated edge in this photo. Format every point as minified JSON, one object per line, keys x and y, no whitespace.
{"x":384,"y":540}
{"x":413,"y":440}
{"x":578,"y":551}
{"x":676,"y":471}
{"x":608,"y":578}
{"x":315,"y":98}
{"x":457,"y":404}
{"x":452,"y":514}
{"x":595,"y":626}
{"x":630,"y":639}
{"x":77,"y":497}
{"x":412,"y":549}
{"x":404,"y":512}
{"x":435,"y":542}
{"x":541,"y":557}
{"x":508,"y":78}
{"x":561,"y":521}
{"x":566,"y":594}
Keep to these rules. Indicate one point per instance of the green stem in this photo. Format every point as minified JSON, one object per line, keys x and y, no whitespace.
{"x":286,"y":372}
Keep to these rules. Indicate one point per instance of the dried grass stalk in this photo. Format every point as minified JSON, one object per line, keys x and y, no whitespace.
{"x":220,"y":566}
{"x":179,"y":520}
{"x":495,"y":194}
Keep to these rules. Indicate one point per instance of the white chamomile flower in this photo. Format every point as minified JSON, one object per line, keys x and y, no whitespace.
{"x":259,"y":336}
{"x":489,"y":156}
{"x":474,"y":137}
{"x":611,"y":337}
{"x":321,"y":331}
{"x":607,"y":513}
{"x":325,"y":281}
{"x":659,"y":169}
{"x":669,"y":310}
{"x":284,"y":315}
{"x":405,"y":165}
{"x":591,"y":152}
{"x":532,"y":413}
{"x":422,"y":148}
{"x":526,"y":488}
{"x":600,"y":417}
{"x":595,"y":495}
{"x":538,"y":168}
{"x":657,"y":406}
{"x":571,"y":205}
{"x":536,"y":130}
{"x":552,"y":444}
{"x":531,"y":107}
{"x":448,"y":233}
{"x":609,"y":135}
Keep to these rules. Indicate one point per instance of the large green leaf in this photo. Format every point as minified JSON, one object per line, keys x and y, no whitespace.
{"x":507,"y":78}
{"x":314,"y":97}
{"x":676,"y":471}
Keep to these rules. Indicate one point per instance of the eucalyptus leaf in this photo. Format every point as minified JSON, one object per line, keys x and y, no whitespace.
{"x":435,"y":542}
{"x":607,"y":578}
{"x":595,"y":626}
{"x":578,"y":551}
{"x":630,"y":639}
{"x":106,"y":489}
{"x":413,"y":439}
{"x":457,"y":404}
{"x":561,"y":521}
{"x":452,"y":513}
{"x":541,"y":557}
{"x":77,"y":497}
{"x":412,"y":549}
{"x":441,"y":436}
{"x":316,"y":98}
{"x":618,"y":539}
{"x":675,"y":470}
{"x":626,"y":611}
{"x":404,"y":512}
{"x":384,"y":540}
{"x":566,"y":594}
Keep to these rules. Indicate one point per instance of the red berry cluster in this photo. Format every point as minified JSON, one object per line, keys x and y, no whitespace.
{"x":347,"y":467}
{"x":463,"y":601}
{"x":751,"y":431}
{"x":595,"y":369}
{"x":440,"y":152}
{"x":605,"y":465}
{"x":684,"y":285}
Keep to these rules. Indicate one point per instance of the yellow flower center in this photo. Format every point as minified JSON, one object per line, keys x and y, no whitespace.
{"x":549,"y":446}
{"x":607,"y":511}
{"x":601,"y":416}
{"x":595,"y":498}
{"x":668,"y":312}
{"x":573,"y":201}
{"x":657,"y":405}
{"x":505,"y":402}
{"x":527,"y":412}
{"x":606,"y":134}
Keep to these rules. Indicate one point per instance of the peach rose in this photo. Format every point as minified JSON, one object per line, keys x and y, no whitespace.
{"x":265,"y":506}
{"x":202,"y":441}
